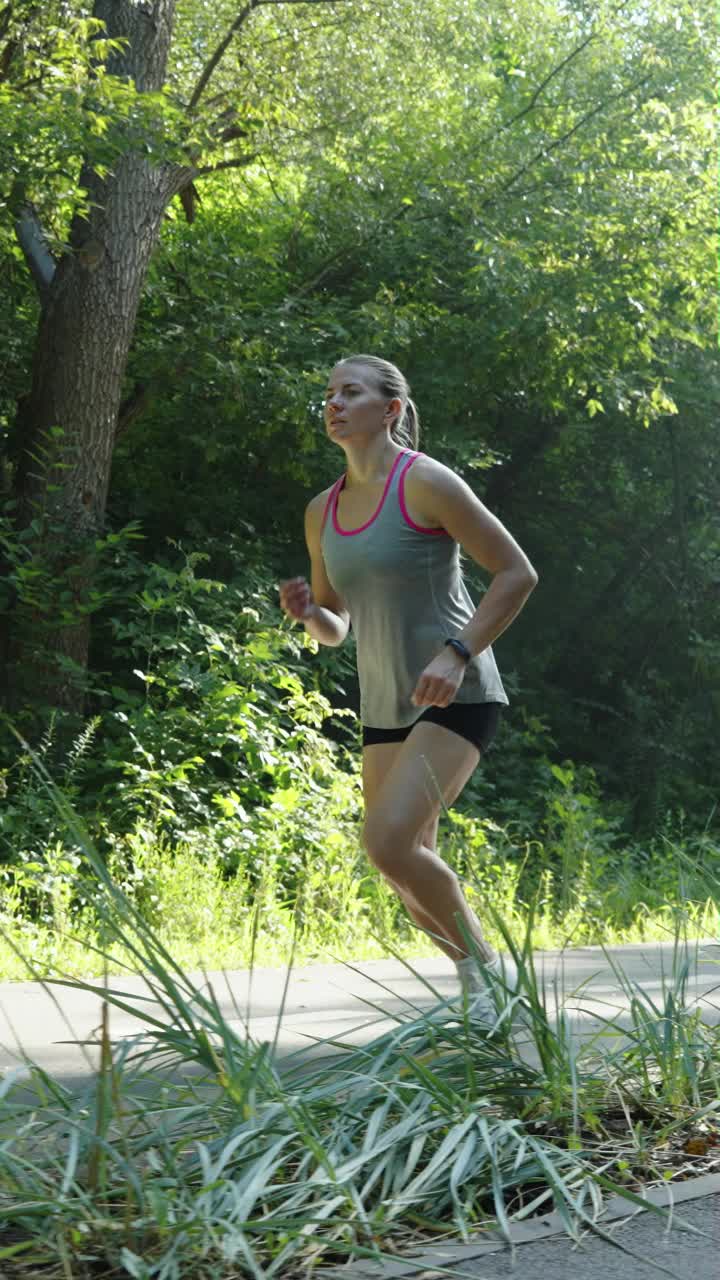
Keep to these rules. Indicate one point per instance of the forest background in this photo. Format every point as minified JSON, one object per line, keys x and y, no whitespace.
{"x":203,"y":207}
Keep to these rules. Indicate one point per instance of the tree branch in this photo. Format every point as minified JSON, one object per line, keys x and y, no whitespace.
{"x":217,"y":54}
{"x":238,"y":162}
{"x":545,"y":151}
{"x":131,"y":408}
{"x":543,"y":84}
{"x":143,"y":393}
{"x":33,"y":244}
{"x":336,"y":260}
{"x":235,"y":26}
{"x":349,"y":252}
{"x":232,"y":133}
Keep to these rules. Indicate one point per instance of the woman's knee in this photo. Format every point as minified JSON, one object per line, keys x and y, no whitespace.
{"x":399,"y":861}
{"x":386,"y":843}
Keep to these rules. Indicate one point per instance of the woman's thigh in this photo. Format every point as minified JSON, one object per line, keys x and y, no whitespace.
{"x":377,"y":762}
{"x":407,"y":784}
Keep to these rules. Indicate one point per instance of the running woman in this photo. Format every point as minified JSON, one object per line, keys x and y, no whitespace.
{"x":384,"y":544}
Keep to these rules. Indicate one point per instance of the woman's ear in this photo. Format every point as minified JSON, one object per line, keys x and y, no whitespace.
{"x":393,"y":410}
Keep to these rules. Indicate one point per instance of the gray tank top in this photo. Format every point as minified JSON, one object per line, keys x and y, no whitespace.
{"x":404,"y":590}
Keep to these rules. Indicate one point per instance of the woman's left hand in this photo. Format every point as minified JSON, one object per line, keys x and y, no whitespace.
{"x":440,"y":680}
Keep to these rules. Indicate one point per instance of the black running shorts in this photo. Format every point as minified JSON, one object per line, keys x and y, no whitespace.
{"x":476,"y":721}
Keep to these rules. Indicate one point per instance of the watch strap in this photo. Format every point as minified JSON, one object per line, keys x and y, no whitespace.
{"x":459,"y":647}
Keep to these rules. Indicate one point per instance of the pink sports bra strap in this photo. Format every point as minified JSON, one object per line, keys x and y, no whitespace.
{"x":330,"y":497}
{"x":407,"y":454}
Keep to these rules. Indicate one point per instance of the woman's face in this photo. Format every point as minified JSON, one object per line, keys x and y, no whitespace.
{"x":354,"y":406}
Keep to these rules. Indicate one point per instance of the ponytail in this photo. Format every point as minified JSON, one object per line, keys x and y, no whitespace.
{"x":406,"y":427}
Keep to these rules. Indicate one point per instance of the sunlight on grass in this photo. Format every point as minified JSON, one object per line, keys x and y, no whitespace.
{"x":192,"y":1150}
{"x":202,"y":917}
{"x":428,"y":1131}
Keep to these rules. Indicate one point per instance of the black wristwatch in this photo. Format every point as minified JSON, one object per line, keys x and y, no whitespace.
{"x":459,"y":647}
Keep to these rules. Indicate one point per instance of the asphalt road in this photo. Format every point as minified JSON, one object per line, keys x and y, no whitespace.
{"x":52,"y":1025}
{"x":57,"y":1028}
{"x":688,"y":1256}
{"x":686,"y":1247}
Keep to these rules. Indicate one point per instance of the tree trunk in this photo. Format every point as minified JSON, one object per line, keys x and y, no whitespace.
{"x":67,"y":424}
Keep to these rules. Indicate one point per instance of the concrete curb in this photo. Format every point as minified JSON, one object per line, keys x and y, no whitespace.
{"x":551,"y":1224}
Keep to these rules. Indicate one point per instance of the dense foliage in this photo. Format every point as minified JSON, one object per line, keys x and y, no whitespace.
{"x":515,"y":204}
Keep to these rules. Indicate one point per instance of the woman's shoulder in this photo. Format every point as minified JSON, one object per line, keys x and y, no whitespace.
{"x":315,"y":509}
{"x":426,"y":481}
{"x":425,"y":465}
{"x":429,"y":475}
{"x":437,"y":491}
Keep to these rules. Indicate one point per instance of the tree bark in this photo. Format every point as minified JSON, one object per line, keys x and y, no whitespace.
{"x":84,"y":335}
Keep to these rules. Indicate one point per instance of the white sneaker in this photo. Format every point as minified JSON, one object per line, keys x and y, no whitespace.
{"x":488,"y":999}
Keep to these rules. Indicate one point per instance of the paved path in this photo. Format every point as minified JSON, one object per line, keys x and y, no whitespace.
{"x":688,"y":1256}
{"x":685,"y":1254}
{"x":332,"y":1000}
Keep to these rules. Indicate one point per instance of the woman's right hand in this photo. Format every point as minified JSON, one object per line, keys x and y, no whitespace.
{"x":296,"y":598}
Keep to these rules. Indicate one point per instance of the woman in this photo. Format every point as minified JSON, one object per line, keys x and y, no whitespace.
{"x":384,"y":549}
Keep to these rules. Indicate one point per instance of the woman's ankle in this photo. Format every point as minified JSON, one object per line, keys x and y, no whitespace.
{"x":467,"y":964}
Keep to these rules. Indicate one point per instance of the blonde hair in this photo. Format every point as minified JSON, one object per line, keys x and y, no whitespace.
{"x":393,"y":384}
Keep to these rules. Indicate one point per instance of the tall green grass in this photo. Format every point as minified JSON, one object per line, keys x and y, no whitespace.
{"x":254,"y":808}
{"x":191,"y":1152}
{"x":204,"y":915}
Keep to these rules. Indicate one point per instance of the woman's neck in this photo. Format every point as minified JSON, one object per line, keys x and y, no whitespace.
{"x":372,"y":464}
